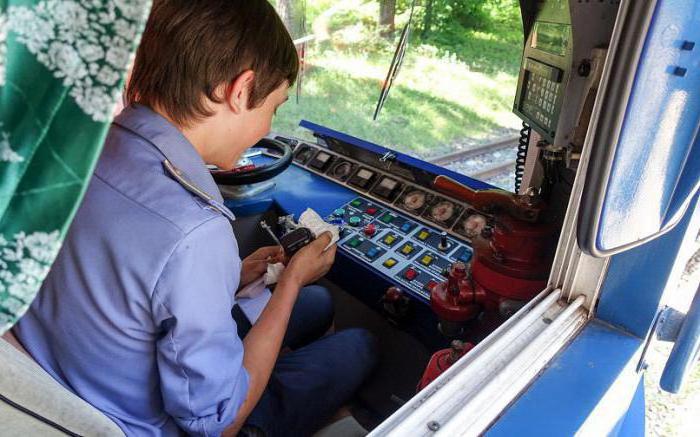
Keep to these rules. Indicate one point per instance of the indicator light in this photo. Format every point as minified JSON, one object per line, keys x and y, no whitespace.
{"x":354,"y":242}
{"x":354,"y":221}
{"x":391,"y":262}
{"x":410,"y":274}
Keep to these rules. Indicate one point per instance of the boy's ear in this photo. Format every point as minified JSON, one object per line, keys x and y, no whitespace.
{"x":238,"y":92}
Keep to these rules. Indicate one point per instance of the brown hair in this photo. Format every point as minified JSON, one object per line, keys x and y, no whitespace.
{"x":190,"y":47}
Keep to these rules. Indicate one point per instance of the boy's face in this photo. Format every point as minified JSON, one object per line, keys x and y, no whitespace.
{"x":249,"y":126}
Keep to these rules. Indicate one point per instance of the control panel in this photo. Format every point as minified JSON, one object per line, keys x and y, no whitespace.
{"x":405,"y":251}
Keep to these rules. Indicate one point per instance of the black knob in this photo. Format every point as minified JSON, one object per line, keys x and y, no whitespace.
{"x":444,"y":242}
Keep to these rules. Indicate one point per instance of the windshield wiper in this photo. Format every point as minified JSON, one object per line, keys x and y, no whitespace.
{"x":396,"y":63}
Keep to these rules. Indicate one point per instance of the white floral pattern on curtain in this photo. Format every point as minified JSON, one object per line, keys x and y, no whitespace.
{"x":62,"y":68}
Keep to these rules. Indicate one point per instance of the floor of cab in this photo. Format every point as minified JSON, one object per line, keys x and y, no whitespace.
{"x":402,"y":359}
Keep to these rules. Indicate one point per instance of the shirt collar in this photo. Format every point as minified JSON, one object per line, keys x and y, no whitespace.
{"x":154,"y":128}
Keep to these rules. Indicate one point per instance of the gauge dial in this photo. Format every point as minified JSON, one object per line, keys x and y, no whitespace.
{"x":473,"y":225}
{"x":414,"y":200}
{"x":443,"y":211}
{"x":342,"y":170}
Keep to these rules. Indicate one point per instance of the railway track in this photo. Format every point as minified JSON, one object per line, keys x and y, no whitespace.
{"x":464,"y":155}
{"x":472,"y":162}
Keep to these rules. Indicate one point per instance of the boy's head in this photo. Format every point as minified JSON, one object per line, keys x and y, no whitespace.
{"x":228,"y":62}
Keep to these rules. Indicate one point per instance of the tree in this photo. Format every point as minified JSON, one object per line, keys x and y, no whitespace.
{"x":428,"y":18}
{"x":387,"y":13}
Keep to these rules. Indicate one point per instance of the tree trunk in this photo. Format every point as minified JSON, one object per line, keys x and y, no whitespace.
{"x":285,"y":9}
{"x":427,"y":18}
{"x":387,"y":12}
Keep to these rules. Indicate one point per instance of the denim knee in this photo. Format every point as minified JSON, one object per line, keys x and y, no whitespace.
{"x":361,"y":348}
{"x":322,"y":304}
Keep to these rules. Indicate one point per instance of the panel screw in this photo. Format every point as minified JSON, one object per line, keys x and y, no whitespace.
{"x":433,"y":426}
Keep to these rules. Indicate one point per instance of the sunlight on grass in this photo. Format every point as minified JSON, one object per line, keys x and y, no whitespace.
{"x":439,"y":101}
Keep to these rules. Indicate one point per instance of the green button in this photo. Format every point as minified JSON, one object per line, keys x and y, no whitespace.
{"x":356,"y":202}
{"x":387,"y":218}
{"x":354,"y":221}
{"x":354,"y":242}
{"x":340,"y":212}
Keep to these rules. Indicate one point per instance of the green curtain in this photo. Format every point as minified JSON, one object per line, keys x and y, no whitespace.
{"x":62,"y":68}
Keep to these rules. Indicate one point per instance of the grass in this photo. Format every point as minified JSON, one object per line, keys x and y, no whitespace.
{"x":439,"y":99}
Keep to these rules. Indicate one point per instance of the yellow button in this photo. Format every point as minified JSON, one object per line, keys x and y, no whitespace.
{"x":427,"y":260}
{"x":389,"y":239}
{"x":391,"y":262}
{"x":407,"y":249}
{"x":423,"y":235}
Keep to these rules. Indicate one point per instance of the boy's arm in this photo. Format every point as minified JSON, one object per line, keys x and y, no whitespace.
{"x":264,"y":341}
{"x":202,"y":379}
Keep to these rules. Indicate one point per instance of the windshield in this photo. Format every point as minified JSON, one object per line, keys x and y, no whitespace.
{"x":455,"y":89}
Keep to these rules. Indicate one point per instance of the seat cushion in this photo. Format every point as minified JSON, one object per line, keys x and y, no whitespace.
{"x":25,"y":383}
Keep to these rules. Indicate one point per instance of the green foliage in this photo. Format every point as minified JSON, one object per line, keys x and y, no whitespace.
{"x":457,"y":83}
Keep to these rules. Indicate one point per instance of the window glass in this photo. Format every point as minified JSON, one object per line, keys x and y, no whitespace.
{"x":454,"y":92}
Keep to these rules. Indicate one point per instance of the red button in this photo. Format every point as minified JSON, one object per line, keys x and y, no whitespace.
{"x":371,"y":211}
{"x":430,"y":285}
{"x":370,"y":230}
{"x":410,"y":274}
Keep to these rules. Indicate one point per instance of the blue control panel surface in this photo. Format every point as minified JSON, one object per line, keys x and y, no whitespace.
{"x":402,"y":250}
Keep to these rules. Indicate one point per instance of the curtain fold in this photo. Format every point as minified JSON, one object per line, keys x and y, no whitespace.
{"x":62,"y":69}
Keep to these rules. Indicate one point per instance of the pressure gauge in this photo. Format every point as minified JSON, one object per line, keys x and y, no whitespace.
{"x":414,"y":200}
{"x":473,"y":225}
{"x":442,"y":211}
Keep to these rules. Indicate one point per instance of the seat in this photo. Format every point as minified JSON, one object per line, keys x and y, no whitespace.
{"x":24,"y":385}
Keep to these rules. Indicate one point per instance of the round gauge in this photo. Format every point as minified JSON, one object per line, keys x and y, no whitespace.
{"x":443,"y":211}
{"x":473,"y":225}
{"x":342,"y":170}
{"x":414,"y":200}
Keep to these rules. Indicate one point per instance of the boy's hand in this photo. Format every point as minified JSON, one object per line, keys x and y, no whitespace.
{"x":311,"y":262}
{"x":255,"y":265}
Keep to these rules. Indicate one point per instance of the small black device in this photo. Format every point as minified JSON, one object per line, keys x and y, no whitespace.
{"x":363,"y":178}
{"x":321,"y":161}
{"x":296,"y":240}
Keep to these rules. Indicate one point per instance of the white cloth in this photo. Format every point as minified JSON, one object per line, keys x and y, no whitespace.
{"x":312,"y":221}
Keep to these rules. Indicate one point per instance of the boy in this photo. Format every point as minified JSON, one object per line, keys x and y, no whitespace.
{"x":135,"y":316}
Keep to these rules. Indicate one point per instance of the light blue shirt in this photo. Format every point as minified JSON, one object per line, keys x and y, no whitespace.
{"x":134,"y":316}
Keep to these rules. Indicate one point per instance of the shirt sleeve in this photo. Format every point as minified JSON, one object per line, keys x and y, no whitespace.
{"x":200,"y":356}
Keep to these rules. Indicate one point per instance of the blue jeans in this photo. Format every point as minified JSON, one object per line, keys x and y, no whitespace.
{"x":310,"y":383}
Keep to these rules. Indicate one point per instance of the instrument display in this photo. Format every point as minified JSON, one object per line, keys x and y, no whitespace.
{"x":443,"y":212}
{"x":303,"y":154}
{"x":471,"y":224}
{"x":342,"y":170}
{"x":388,"y":188}
{"x":414,"y":201}
{"x":363,"y":178}
{"x":321,"y":161}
